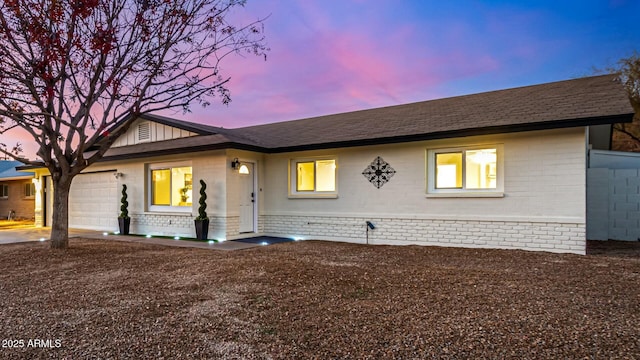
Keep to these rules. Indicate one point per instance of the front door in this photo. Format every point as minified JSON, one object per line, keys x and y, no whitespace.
{"x":247,"y":197}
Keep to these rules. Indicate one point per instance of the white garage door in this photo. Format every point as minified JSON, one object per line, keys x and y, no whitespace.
{"x":93,"y":202}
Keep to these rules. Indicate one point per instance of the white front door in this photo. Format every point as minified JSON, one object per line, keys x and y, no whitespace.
{"x":247,"y":197}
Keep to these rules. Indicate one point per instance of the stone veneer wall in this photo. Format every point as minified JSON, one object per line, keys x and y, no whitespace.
{"x":541,"y":236}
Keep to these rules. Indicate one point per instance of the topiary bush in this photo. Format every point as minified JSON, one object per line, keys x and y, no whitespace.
{"x":202,"y":210}
{"x":124,"y":207}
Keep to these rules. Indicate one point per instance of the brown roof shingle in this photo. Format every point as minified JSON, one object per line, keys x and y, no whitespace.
{"x":579,"y":102}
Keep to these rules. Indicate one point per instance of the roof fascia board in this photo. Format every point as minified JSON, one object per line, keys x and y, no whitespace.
{"x":182,"y":150}
{"x":167,"y":122}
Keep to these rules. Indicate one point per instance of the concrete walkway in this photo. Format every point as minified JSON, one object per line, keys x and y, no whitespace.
{"x":11,"y":236}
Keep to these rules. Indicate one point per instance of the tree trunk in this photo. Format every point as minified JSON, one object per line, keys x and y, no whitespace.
{"x":60,"y":216}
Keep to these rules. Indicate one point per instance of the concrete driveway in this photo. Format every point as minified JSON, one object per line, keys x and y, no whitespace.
{"x":10,"y":236}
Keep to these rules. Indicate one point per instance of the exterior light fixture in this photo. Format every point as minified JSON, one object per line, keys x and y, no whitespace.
{"x":235,"y":164}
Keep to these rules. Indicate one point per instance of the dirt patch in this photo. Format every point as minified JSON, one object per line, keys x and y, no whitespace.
{"x":313,"y":299}
{"x":624,"y":249}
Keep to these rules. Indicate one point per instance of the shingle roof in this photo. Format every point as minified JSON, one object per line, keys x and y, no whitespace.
{"x":579,"y":102}
{"x":8,"y":171}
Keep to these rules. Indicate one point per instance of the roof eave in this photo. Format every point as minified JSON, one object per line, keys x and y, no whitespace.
{"x":492,"y":130}
{"x":548,"y":125}
{"x":182,"y":150}
{"x":11,"y":178}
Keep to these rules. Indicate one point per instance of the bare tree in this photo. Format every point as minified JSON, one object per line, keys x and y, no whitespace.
{"x":629,"y":69}
{"x":76,"y":73}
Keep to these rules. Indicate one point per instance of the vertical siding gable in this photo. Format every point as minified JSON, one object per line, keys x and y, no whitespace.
{"x":158,"y":132}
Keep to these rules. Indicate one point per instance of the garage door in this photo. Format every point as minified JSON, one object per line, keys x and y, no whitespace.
{"x":93,"y":201}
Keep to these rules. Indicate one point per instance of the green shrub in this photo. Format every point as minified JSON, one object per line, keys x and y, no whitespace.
{"x":124,"y":208}
{"x":202,"y":210}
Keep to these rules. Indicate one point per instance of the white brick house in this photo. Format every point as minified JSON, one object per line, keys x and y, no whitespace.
{"x":504,"y":169}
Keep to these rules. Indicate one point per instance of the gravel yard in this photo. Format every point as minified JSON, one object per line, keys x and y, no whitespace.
{"x":312,"y":299}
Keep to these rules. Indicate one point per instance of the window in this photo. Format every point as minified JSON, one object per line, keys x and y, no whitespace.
{"x":313,"y":178}
{"x":471,"y":171}
{"x":29,"y":190}
{"x":4,"y":191}
{"x":171,"y":187}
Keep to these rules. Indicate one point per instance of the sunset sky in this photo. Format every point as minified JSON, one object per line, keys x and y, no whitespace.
{"x":335,"y":56}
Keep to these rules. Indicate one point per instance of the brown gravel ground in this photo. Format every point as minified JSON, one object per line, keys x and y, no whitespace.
{"x":316,"y":300}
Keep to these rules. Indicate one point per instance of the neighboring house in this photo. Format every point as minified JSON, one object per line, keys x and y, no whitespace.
{"x":502,"y":169}
{"x":17,"y":192}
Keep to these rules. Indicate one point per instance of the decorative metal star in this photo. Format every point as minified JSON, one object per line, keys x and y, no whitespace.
{"x":378,"y":172}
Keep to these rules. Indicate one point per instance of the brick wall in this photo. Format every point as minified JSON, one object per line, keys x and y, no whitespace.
{"x":545,"y":236}
{"x":24,"y":207}
{"x":172,"y":224}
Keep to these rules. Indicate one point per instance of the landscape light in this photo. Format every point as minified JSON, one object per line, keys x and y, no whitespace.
{"x":105,"y":233}
{"x":148,"y":236}
{"x":264,"y":243}
{"x":42,"y":239}
{"x":211,"y":242}
{"x":116,"y":233}
{"x":176,"y":238}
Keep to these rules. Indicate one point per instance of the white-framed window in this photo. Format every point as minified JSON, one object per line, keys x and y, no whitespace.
{"x":4,"y":191}
{"x":29,"y":190}
{"x":170,"y":187}
{"x":313,"y":177}
{"x":466,"y":171}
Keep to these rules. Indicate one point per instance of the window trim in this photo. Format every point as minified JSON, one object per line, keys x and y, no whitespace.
{"x":149,"y":190}
{"x":310,"y":194}
{"x":432,"y":191}
{"x":32,"y":188}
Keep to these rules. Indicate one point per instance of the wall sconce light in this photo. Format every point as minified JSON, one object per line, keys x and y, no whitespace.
{"x":118,"y":175}
{"x":235,"y":164}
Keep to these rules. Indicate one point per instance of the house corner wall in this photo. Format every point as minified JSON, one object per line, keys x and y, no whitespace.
{"x":543,"y":207}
